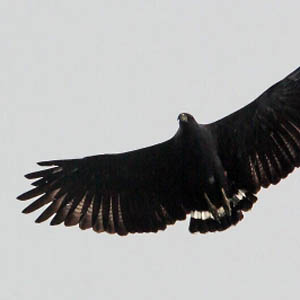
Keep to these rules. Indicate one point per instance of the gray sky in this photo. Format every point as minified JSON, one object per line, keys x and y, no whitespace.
{"x":84,"y":77}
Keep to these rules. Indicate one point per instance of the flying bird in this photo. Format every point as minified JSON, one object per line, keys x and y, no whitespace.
{"x":211,"y":172}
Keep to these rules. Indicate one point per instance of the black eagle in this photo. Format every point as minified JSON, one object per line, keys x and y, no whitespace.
{"x":210,"y":171}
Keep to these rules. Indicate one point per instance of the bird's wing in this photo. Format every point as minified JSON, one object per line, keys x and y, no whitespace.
{"x":137,"y":191}
{"x":260,"y":143}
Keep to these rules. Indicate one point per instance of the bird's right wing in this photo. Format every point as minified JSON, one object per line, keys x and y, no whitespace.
{"x":137,"y":191}
{"x":260,"y":143}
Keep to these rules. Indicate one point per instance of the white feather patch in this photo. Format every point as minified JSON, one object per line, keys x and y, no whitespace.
{"x":201,"y":215}
{"x":221,"y":211}
{"x":205,"y":215}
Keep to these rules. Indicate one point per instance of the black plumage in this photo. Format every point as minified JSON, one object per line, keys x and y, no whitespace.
{"x":210,"y":171}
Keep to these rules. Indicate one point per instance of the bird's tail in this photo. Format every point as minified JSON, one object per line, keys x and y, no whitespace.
{"x":205,"y":221}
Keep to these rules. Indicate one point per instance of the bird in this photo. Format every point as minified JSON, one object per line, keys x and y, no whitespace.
{"x":210,"y":172}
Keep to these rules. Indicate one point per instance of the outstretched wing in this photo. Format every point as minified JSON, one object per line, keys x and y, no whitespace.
{"x":137,"y":191}
{"x":260,"y":143}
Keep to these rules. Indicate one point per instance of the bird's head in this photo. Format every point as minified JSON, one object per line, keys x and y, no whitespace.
{"x":185,"y":118}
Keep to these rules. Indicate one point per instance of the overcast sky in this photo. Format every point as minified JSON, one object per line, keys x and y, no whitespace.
{"x":84,"y":77}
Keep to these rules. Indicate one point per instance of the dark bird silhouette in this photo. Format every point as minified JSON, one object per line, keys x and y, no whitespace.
{"x":210,"y":171}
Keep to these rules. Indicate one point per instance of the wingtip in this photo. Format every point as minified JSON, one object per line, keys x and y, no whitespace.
{"x":45,"y":163}
{"x":29,"y":176}
{"x":40,"y":219}
{"x":22,"y":197}
{"x":25,"y":211}
{"x":295,"y":75}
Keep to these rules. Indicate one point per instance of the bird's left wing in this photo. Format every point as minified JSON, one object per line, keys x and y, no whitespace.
{"x":137,"y":191}
{"x":260,"y":143}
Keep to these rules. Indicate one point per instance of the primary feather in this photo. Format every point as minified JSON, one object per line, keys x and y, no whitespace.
{"x":212,"y":171}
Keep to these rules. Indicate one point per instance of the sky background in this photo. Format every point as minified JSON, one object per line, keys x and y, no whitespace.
{"x":79,"y":78}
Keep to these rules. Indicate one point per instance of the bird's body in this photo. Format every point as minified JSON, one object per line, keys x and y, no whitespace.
{"x":204,"y":178}
{"x":210,"y":171}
